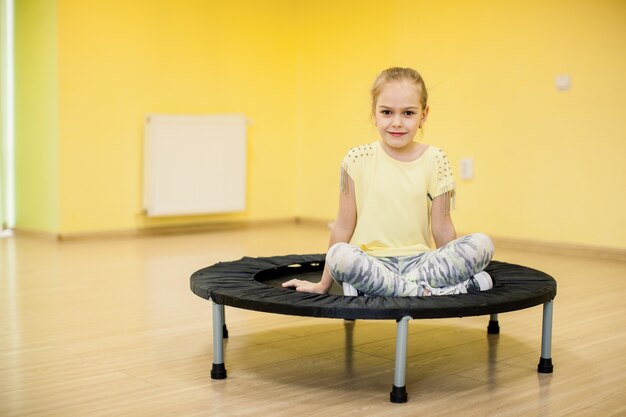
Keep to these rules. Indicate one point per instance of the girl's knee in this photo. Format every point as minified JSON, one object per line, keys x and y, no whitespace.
{"x":337,"y":256}
{"x":336,"y":252}
{"x":483,"y":239}
{"x":339,"y":246}
{"x":484,"y":242}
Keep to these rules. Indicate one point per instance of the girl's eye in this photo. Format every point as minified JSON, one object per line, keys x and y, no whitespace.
{"x":409,"y":113}
{"x":385,"y":112}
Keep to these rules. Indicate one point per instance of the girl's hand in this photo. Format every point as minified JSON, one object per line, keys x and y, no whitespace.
{"x":305,"y":286}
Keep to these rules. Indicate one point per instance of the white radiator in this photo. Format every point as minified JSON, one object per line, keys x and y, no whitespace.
{"x":194,"y":164}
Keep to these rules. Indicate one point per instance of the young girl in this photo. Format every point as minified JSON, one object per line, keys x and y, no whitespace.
{"x":395,"y":192}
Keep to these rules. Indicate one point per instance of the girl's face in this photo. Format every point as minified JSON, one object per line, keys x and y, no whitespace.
{"x":399,"y":114}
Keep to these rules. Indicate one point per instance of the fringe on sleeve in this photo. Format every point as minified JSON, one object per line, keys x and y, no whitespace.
{"x":449,"y":201}
{"x":346,"y":185}
{"x":443,"y":186}
{"x":448,"y":195}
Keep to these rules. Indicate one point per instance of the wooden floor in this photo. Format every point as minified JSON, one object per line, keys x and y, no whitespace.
{"x":110,"y":328}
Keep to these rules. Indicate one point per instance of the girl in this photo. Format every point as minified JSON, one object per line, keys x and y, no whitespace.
{"x":395,"y":192}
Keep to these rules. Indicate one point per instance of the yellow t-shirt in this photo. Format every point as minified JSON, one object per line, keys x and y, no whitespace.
{"x":393,"y":198}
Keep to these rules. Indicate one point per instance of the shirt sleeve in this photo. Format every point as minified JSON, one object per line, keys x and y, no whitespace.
{"x":441,"y":179}
{"x":352,"y":166}
{"x":346,"y":181}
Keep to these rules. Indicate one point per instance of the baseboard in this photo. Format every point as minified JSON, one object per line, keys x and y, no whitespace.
{"x":35,"y":234}
{"x":529,"y":245}
{"x":156,"y":231}
{"x":556,"y":248}
{"x":314,"y":222}
{"x":109,"y":234}
{"x":559,"y":248}
{"x":214,"y":227}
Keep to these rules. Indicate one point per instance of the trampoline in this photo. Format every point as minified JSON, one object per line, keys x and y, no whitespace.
{"x":255,"y":284}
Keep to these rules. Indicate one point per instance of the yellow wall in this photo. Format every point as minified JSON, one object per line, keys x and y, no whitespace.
{"x":36,"y":116}
{"x":121,"y":60}
{"x":548,"y":164}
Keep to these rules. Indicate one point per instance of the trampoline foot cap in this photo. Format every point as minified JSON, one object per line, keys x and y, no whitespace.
{"x":494,"y":327}
{"x":218,"y":371}
{"x":398,"y":395}
{"x":545,"y":366}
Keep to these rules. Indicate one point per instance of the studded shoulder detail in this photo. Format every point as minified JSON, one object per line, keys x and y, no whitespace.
{"x":361,"y":151}
{"x":444,"y":170}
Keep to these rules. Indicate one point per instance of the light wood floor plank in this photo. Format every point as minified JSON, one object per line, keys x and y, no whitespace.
{"x":110,"y":328}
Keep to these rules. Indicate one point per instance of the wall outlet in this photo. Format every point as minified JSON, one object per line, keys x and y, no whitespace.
{"x":467,"y":168}
{"x":563,"y":82}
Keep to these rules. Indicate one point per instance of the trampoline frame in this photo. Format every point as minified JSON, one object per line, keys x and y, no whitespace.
{"x":398,"y":393}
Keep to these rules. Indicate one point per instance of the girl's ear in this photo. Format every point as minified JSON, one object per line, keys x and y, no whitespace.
{"x":424,"y":116}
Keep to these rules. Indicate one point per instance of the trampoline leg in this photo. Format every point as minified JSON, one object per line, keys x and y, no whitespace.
{"x":218,"y":371}
{"x":545,"y":361}
{"x":398,"y":391}
{"x":494,"y":326}
{"x":224,"y":328}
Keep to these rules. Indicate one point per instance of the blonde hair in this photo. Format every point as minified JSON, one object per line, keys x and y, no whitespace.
{"x":399,"y":74}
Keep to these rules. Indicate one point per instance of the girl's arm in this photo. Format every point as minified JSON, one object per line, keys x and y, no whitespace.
{"x":441,"y":224}
{"x":342,"y":232}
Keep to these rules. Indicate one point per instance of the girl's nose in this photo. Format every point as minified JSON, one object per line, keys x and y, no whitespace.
{"x":397,"y":121}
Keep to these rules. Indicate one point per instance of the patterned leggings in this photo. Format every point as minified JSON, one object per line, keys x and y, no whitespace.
{"x":414,"y":275}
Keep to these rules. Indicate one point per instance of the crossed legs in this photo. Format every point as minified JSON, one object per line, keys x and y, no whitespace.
{"x":453,"y":268}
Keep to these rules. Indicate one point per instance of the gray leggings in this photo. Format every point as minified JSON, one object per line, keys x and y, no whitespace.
{"x":452,"y":264}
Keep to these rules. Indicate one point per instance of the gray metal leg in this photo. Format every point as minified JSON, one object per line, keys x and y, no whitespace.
{"x":398,"y":391}
{"x":349,"y":351}
{"x":494,"y":326}
{"x":218,"y":371}
{"x":224,"y":328}
{"x":545,"y":361}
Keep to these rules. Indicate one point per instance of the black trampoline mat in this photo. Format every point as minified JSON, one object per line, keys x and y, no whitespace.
{"x":255,"y":284}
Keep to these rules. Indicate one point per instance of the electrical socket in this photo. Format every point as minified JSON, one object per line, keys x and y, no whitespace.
{"x":467,"y":168}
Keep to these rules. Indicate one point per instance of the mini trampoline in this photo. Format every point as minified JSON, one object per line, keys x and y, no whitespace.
{"x":255,"y":284}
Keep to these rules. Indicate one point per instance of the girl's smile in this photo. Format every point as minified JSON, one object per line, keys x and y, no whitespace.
{"x":399,"y":115}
